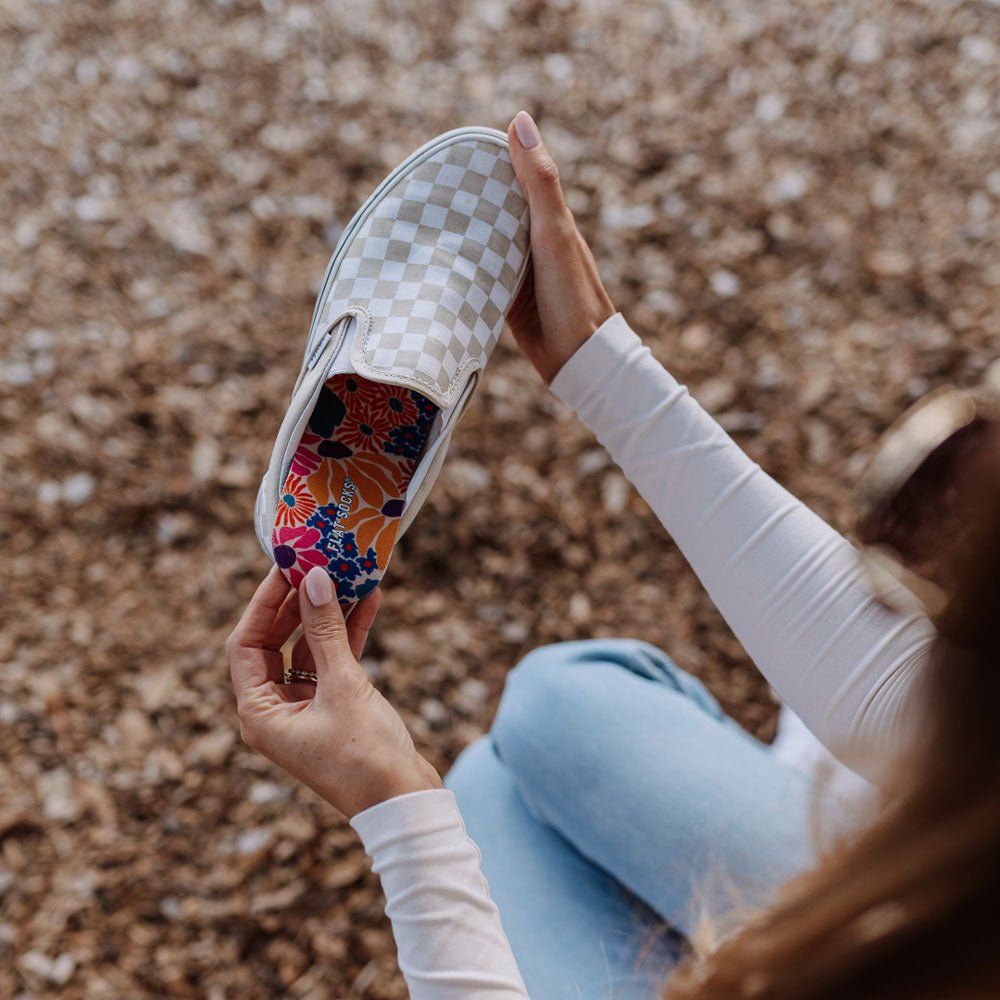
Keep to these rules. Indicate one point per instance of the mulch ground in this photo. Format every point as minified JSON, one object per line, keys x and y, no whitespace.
{"x":795,"y":204}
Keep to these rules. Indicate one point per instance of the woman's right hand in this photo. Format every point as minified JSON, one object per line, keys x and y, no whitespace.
{"x":562,"y":301}
{"x":339,"y":736}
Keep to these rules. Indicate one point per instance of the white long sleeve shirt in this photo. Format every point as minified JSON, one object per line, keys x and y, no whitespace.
{"x":788,"y":585}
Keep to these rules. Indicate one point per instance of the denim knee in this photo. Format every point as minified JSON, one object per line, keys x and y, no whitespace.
{"x":545,"y":708}
{"x":543,"y":673}
{"x":468,"y":772}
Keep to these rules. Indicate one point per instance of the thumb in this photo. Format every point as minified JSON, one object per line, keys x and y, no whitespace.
{"x":323,"y":621}
{"x":536,"y":171}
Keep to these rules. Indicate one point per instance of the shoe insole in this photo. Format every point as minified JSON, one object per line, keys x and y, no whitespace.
{"x":344,"y":494}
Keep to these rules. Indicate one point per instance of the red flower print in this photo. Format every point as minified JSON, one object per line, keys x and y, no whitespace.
{"x":366,"y":428}
{"x":295,"y":504}
{"x":306,"y":461}
{"x":294,"y":551}
{"x":354,"y":390}
{"x":402,"y":409}
{"x":300,"y":537}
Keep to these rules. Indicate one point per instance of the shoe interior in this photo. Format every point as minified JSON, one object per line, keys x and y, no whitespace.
{"x":341,"y":502}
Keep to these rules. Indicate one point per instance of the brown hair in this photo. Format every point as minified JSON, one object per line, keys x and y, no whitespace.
{"x":911,"y":909}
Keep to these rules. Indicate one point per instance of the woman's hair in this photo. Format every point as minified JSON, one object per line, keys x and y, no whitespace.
{"x":911,"y":909}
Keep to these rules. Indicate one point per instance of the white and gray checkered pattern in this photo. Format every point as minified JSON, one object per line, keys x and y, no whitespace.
{"x":436,"y":265}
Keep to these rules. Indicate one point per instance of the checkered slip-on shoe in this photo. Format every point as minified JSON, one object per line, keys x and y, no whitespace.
{"x":411,"y":307}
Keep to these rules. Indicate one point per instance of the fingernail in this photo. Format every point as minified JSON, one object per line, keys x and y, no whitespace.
{"x":318,"y":587}
{"x":527,"y":130}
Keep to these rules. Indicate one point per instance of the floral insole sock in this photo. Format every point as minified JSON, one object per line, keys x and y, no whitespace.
{"x":345,"y":491}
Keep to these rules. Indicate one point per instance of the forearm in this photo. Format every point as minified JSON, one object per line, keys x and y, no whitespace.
{"x":786,"y":582}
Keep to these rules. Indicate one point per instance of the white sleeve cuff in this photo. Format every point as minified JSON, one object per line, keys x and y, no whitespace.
{"x":448,"y":934}
{"x":428,"y":811}
{"x":606,"y":349}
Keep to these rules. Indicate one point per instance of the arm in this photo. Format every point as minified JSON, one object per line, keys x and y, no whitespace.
{"x":788,"y":585}
{"x":447,"y":929}
{"x":345,"y":741}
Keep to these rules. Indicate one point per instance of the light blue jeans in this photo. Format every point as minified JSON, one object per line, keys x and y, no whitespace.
{"x":614,"y":803}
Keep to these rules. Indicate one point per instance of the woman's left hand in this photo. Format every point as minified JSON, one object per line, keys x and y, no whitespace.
{"x":340,"y":737}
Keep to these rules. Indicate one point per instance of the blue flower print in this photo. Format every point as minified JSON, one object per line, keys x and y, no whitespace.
{"x":406,"y":440}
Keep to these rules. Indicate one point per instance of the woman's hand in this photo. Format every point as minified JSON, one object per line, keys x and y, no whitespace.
{"x":562,"y":301}
{"x":340,"y":737}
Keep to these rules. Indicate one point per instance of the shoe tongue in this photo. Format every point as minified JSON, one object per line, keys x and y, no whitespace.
{"x":349,"y":358}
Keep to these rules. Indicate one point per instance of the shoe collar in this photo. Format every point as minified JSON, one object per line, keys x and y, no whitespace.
{"x":338,"y":350}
